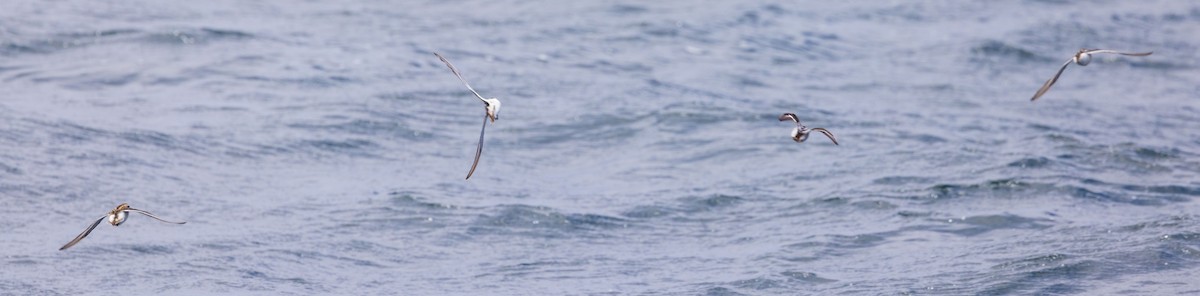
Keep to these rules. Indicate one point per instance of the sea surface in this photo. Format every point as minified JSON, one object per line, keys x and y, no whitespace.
{"x":320,"y":148}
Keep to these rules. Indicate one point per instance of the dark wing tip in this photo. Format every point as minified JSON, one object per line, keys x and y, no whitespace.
{"x":828,"y":134}
{"x":789,"y":116}
{"x":1137,"y":54}
{"x":479,"y":148}
{"x":83,"y":234}
{"x":1050,"y":82}
{"x":1042,"y":91}
{"x":448,"y":64}
{"x":70,"y":244}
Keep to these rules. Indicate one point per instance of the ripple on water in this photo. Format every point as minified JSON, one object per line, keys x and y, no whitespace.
{"x":1058,"y":275}
{"x":605,"y":66}
{"x":976,"y":225}
{"x":990,"y":49}
{"x":1143,"y":195}
{"x":401,"y":211}
{"x":310,"y":256}
{"x":188,"y":36}
{"x":43,"y":45}
{"x":1123,"y":157}
{"x":350,"y":147}
{"x":693,"y":208}
{"x":806,"y":277}
{"x":784,"y":281}
{"x":606,"y":129}
{"x":367,"y":127}
{"x":1000,"y":188}
{"x":544,"y":222}
{"x":26,"y":288}
{"x":902,"y":180}
{"x":1032,"y":163}
{"x":721,"y":291}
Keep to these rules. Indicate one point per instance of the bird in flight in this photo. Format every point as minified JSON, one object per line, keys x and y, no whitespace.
{"x":115,"y":217}
{"x":491,"y":106}
{"x":800,"y":133}
{"x":1083,"y":57}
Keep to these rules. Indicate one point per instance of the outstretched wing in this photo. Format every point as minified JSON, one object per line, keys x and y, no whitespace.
{"x":1046,"y":87}
{"x":153,"y":216}
{"x":460,"y":78}
{"x":1136,"y":54}
{"x":83,"y":234}
{"x":827,"y":134}
{"x":478,"y":149}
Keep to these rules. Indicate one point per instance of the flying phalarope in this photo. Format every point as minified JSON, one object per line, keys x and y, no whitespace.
{"x":1083,"y":57}
{"x":492,"y":106}
{"x":115,"y":217}
{"x":800,"y":133}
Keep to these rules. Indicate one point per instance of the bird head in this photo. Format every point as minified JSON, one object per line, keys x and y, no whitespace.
{"x":800,"y":134}
{"x":118,"y":215}
{"x":1083,"y":57}
{"x":117,"y":218}
{"x":493,"y":108}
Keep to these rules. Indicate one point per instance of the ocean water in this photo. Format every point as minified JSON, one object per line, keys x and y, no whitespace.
{"x":319,"y":148}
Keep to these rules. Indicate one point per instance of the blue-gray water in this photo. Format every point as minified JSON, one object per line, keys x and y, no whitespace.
{"x":319,"y":148}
